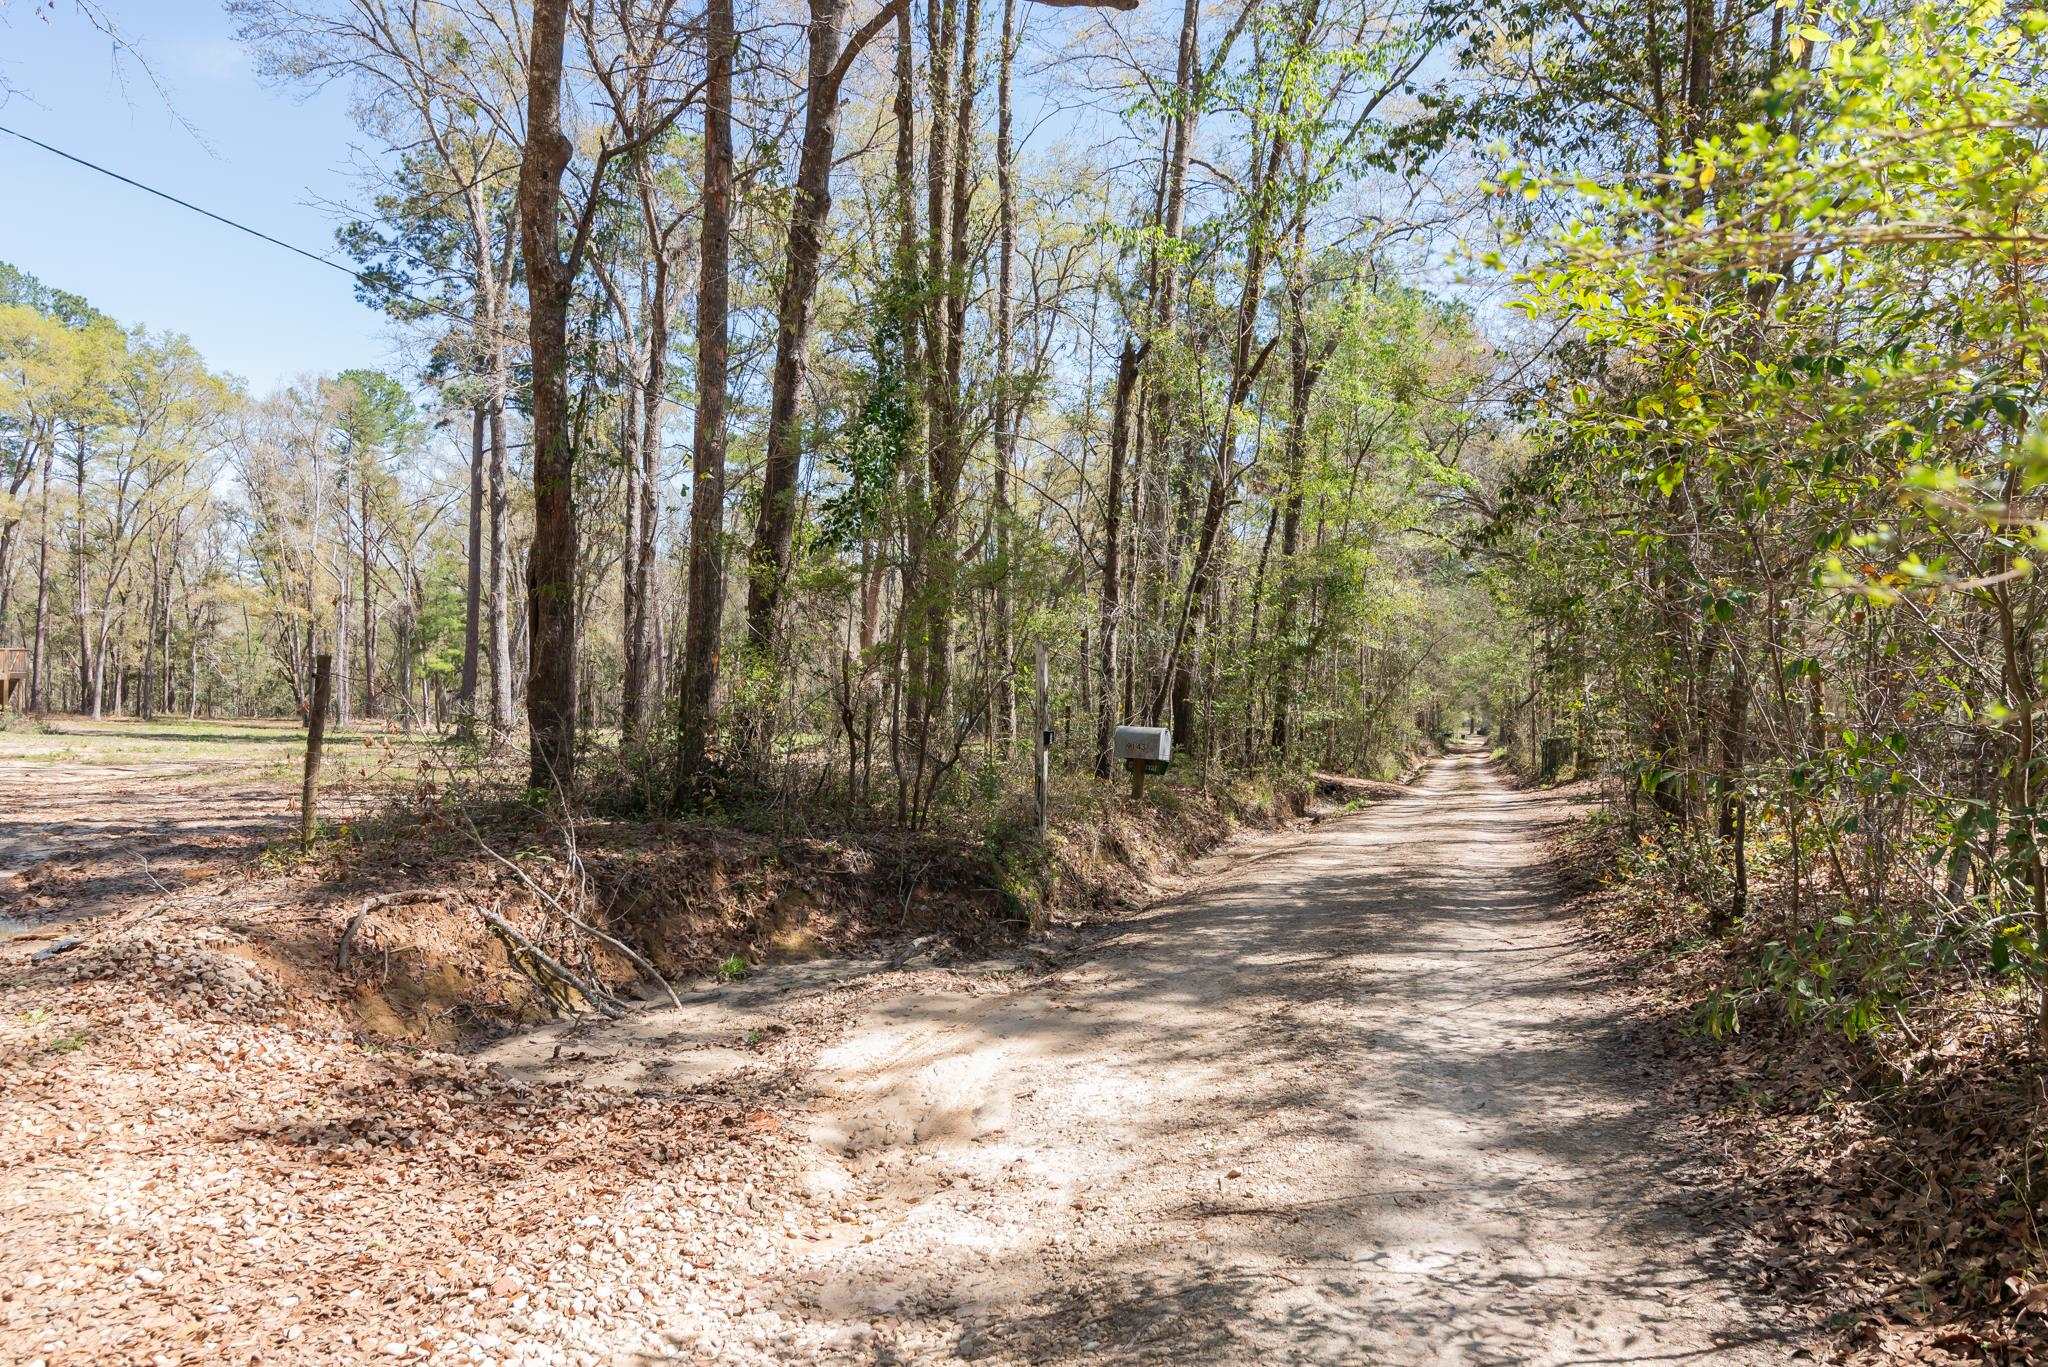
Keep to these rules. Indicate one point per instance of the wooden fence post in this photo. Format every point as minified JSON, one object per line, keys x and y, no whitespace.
{"x":316,"y":735}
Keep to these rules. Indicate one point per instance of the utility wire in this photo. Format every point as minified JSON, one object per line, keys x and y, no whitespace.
{"x":183,"y":203}
{"x":360,"y":277}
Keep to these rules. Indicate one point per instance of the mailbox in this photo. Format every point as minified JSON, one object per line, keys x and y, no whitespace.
{"x":1151,"y":746}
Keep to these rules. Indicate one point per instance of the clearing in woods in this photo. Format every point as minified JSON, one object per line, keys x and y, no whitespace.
{"x":97,"y":809}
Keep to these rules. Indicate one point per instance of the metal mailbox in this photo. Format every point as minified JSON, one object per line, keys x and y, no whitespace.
{"x":1151,"y":746}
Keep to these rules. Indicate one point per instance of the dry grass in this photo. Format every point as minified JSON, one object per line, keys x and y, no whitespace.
{"x":200,"y":749}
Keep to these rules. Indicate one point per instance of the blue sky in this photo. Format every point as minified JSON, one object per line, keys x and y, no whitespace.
{"x":264,"y":157}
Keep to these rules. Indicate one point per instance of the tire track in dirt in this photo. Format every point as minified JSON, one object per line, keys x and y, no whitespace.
{"x":1362,"y":1098}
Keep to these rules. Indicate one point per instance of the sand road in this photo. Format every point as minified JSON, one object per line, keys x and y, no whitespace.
{"x":1360,"y":1095}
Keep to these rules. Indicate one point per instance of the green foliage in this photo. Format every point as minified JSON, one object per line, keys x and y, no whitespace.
{"x":1783,"y":514}
{"x":873,"y":446}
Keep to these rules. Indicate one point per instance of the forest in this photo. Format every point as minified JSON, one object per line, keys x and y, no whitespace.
{"x":1651,"y":387}
{"x":829,"y":428}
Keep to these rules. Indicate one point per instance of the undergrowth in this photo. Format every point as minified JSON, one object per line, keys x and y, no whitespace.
{"x":1867,"y":1071}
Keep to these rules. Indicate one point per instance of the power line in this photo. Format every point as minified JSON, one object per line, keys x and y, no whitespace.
{"x":360,"y":277}
{"x":349,"y":271}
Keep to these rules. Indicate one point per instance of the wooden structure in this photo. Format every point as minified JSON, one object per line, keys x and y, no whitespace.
{"x":13,"y":677}
{"x":1144,"y":750}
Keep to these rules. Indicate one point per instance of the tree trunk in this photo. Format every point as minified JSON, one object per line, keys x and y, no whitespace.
{"x":551,"y":563}
{"x":644,"y":521}
{"x":1178,"y":666}
{"x":316,"y":734}
{"x":35,"y":435}
{"x":38,"y":660}
{"x":192,"y":668}
{"x":928,"y":591}
{"x":1734,"y":816}
{"x":1005,"y":394}
{"x":1151,"y":494}
{"x":904,"y":638}
{"x":632,"y":618}
{"x":472,"y":598}
{"x":803,"y":250}
{"x":947,"y":447}
{"x":1258,"y":593}
{"x":369,"y":594}
{"x":1300,"y":381}
{"x":640,"y":642}
{"x":1109,"y":611}
{"x":342,"y":608}
{"x":707,"y":493}
{"x":490,"y":324}
{"x":87,"y":681}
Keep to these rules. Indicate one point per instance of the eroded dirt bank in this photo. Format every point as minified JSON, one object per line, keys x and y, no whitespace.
{"x":1356,"y":1095}
{"x":233,"y":1131}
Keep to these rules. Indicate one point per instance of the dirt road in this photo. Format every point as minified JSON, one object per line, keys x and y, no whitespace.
{"x":1357,"y":1096}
